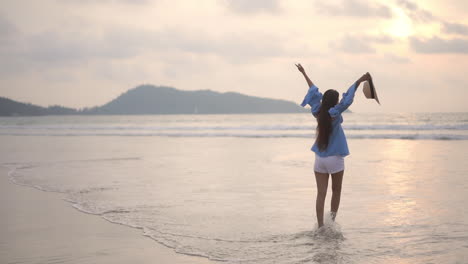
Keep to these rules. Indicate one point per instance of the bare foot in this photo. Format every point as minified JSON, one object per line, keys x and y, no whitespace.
{"x":333,"y":215}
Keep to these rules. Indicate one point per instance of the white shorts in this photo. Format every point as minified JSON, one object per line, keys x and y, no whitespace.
{"x":330,"y":164}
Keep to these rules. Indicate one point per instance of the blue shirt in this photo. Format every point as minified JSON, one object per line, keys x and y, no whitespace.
{"x":337,"y":144}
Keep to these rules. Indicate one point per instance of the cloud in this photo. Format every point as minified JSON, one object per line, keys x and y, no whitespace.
{"x":54,"y":50}
{"x":381,"y":39}
{"x":69,"y":48}
{"x":439,"y":45}
{"x":455,"y":28}
{"x":130,"y":2}
{"x":360,"y":43}
{"x":252,"y":7}
{"x":7,"y":31}
{"x":355,"y":8}
{"x":416,"y":13}
{"x":236,"y":48}
{"x":389,"y":57}
{"x":6,"y":28}
{"x":50,"y":49}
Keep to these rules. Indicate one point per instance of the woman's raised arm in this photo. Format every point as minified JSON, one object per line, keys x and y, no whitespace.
{"x":313,"y":95}
{"x":301,"y":69}
{"x":365,"y":77}
{"x":348,"y":97}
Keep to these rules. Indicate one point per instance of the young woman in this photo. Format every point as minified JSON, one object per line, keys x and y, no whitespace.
{"x":330,"y":146}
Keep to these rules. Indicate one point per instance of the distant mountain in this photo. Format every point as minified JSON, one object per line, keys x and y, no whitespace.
{"x":150,"y":99}
{"x":9,"y":107}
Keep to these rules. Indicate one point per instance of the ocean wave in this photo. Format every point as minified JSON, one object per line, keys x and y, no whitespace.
{"x":406,"y":127}
{"x":408,"y":136}
{"x":420,"y":127}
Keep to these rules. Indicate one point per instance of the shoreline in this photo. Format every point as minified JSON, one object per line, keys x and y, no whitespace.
{"x":39,"y":226}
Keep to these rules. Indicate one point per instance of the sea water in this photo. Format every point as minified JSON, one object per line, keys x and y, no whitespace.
{"x":241,"y":188}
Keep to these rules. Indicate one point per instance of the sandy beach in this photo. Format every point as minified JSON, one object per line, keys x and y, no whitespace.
{"x":40,"y":227}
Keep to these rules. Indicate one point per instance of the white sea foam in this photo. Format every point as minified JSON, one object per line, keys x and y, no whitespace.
{"x":412,"y":127}
{"x":397,"y":127}
{"x":408,"y":136}
{"x":330,"y":229}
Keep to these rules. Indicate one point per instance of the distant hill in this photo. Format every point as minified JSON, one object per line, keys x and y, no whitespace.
{"x":150,"y":99}
{"x":9,"y":107}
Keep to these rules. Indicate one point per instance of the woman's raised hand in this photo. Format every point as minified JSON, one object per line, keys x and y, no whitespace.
{"x":368,"y":76}
{"x":300,"y":68}
{"x":365,"y":77}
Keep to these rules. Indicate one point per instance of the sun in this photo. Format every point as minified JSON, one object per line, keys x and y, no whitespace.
{"x":401,"y":25}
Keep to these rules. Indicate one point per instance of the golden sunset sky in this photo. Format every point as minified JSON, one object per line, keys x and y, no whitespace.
{"x":82,"y":53}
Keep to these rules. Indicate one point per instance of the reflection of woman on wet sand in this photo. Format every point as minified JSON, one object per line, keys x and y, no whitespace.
{"x":330,"y":146}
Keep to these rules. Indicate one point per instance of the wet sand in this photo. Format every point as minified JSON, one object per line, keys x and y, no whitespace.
{"x":40,"y":227}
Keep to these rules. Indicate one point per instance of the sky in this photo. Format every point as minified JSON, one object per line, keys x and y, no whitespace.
{"x":83,"y":53}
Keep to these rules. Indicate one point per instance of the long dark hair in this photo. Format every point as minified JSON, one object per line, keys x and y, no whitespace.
{"x":324,"y":121}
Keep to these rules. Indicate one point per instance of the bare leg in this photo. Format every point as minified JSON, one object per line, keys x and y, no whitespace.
{"x":322,"y":185}
{"x":337,"y":180}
